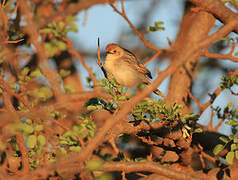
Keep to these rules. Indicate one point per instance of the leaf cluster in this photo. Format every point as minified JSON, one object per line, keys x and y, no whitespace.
{"x":55,"y":32}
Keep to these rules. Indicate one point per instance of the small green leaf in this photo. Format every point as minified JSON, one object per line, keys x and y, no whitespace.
{"x":64,"y":73}
{"x":39,"y":127}
{"x":35,"y":73}
{"x":31,"y":140}
{"x":91,"y":108}
{"x":75,"y":148}
{"x":105,"y":176}
{"x":94,"y":164}
{"x":41,"y":140}
{"x":25,"y":71}
{"x":61,"y":25}
{"x":28,"y":129}
{"x":69,"y":88}
{"x":63,"y":151}
{"x":224,"y":139}
{"x":236,"y":153}
{"x":230,"y":157}
{"x":198,"y":130}
{"x":158,"y":23}
{"x":46,"y":31}
{"x":218,"y":149}
{"x":233,"y":147}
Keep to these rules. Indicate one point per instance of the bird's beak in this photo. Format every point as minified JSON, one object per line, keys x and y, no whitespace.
{"x":108,"y":52}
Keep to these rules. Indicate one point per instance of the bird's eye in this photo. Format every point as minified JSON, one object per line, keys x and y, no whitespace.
{"x":114,"y":51}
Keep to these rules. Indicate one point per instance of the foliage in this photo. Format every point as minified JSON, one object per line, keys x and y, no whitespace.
{"x":51,"y":128}
{"x":157,"y":27}
{"x":231,"y":114}
{"x":55,"y":32}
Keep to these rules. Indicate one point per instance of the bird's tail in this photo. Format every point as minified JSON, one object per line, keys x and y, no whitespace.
{"x":159,"y":93}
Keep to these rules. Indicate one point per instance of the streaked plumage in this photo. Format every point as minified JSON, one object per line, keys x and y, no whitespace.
{"x":123,"y":65}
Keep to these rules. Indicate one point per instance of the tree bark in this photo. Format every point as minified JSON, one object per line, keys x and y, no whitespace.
{"x":194,"y":27}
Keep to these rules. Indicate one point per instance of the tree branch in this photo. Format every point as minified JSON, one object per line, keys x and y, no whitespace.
{"x":218,"y":9}
{"x":148,"y":167}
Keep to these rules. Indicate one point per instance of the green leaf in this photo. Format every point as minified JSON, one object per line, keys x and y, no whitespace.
{"x":61,"y":25}
{"x":28,"y":129}
{"x":46,"y":31}
{"x":224,"y":139}
{"x":198,"y":130}
{"x":43,"y":93}
{"x":158,"y":23}
{"x":31,"y":140}
{"x":41,"y":140}
{"x":94,"y":164}
{"x":61,"y":45}
{"x":140,"y":159}
{"x":233,"y":147}
{"x":69,"y":88}
{"x":218,"y":149}
{"x":230,"y":157}
{"x":25,"y":71}
{"x":35,"y":73}
{"x":75,"y":148}
{"x":91,"y":108}
{"x":38,"y":127}
{"x":236,"y":153}
{"x":50,"y":50}
{"x":105,"y":176}
{"x":64,"y":73}
{"x":63,"y":151}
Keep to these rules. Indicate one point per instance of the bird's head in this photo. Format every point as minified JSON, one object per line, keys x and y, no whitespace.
{"x":114,"y":50}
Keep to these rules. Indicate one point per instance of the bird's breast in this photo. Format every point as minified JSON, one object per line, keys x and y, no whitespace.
{"x":123,"y":73}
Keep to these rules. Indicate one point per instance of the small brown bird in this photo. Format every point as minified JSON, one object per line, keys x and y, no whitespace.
{"x":123,"y":65}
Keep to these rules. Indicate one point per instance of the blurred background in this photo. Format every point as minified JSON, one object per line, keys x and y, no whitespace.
{"x":102,"y":22}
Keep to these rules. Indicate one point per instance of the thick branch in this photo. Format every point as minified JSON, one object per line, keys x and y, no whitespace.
{"x":32,"y":30}
{"x":194,"y":27}
{"x":218,"y":9}
{"x":147,"y":166}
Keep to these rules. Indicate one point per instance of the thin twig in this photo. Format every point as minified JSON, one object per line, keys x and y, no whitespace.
{"x":33,"y":32}
{"x":13,"y":42}
{"x":123,"y":175}
{"x":151,"y":58}
{"x":141,"y":36}
{"x":221,"y":122}
{"x":78,"y":55}
{"x":203,"y":107}
{"x":228,"y":56}
{"x":99,"y":62}
{"x":210,"y":126}
{"x":24,"y":153}
{"x":23,"y":99}
{"x":15,"y":10}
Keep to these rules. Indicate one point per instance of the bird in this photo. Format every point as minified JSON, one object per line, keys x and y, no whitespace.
{"x":124,"y":67}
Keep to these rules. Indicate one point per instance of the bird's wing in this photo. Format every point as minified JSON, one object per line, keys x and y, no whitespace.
{"x":141,"y":68}
{"x":134,"y":64}
{"x":132,"y":61}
